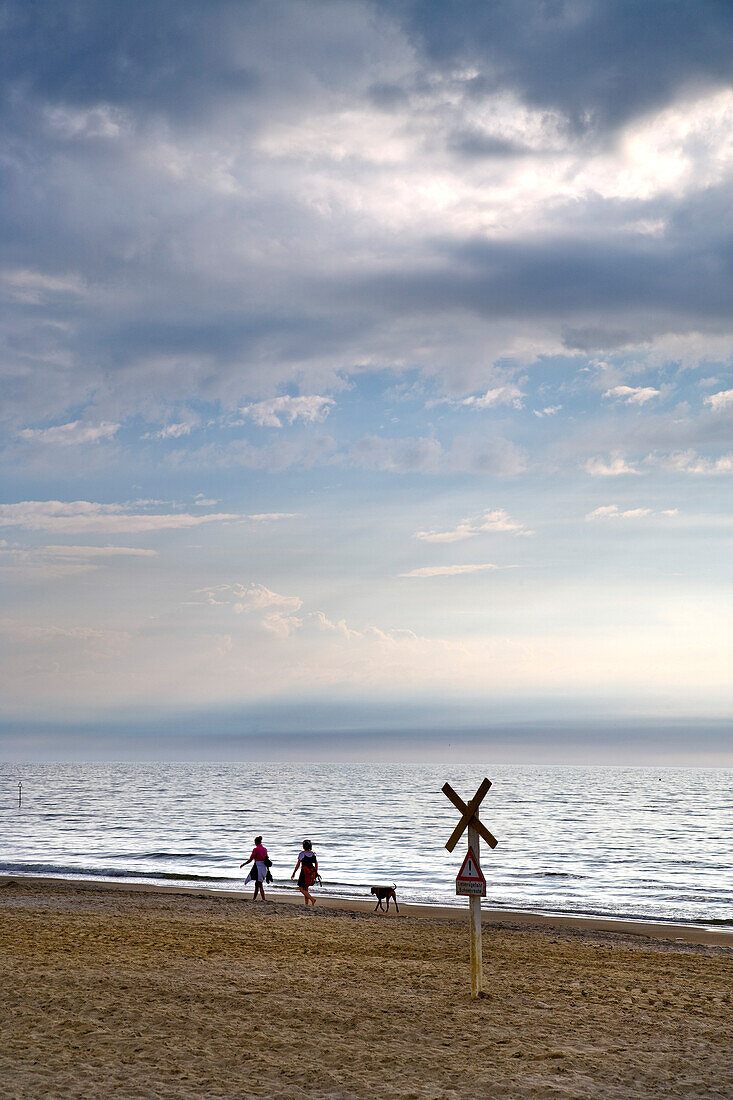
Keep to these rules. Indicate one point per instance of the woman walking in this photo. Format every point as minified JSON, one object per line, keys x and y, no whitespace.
{"x":308,"y":865}
{"x":258,"y":872}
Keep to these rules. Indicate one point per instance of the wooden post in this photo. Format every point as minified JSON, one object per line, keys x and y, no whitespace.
{"x":474,"y":907}
{"x":20,"y":794}
{"x":470,"y":879}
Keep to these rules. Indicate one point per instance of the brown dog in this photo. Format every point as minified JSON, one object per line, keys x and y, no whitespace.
{"x":383,"y":893}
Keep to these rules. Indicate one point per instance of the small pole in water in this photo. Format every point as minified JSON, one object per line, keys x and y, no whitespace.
{"x":20,"y":794}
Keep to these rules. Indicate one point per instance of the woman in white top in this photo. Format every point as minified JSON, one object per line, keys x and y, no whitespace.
{"x":308,"y":865}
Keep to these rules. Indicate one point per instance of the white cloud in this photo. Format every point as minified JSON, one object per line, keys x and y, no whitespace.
{"x":269,"y":517}
{"x":450,"y":570}
{"x":72,"y":433}
{"x":490,"y":520}
{"x":721,"y":400}
{"x":612,"y":467}
{"x":256,"y":597}
{"x":690,"y":462}
{"x":374,"y":452}
{"x":274,"y":612}
{"x":549,"y":411}
{"x":51,"y":562}
{"x":88,"y":516}
{"x":172,"y":431}
{"x":632,"y":395}
{"x":96,"y":552}
{"x":102,"y":121}
{"x":278,"y":410}
{"x":282,"y":626}
{"x":33,"y":287}
{"x":501,"y":395}
{"x":26,"y":632}
{"x":612,"y":511}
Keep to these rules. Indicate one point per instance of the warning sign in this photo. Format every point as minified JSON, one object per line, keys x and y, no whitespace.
{"x":470,"y":879}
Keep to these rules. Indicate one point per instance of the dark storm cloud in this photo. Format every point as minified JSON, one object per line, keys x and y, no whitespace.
{"x":153,"y":55}
{"x":468,"y":143}
{"x":595,"y":61}
{"x":675,"y":282}
{"x":599,"y":63}
{"x":155,"y":250}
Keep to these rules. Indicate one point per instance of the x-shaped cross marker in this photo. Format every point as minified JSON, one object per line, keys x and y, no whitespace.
{"x":468,"y":811}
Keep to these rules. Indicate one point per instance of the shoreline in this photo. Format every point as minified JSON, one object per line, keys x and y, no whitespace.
{"x":136,"y":991}
{"x":509,"y":918}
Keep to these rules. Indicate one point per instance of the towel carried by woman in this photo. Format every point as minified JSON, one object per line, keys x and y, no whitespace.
{"x":259,"y":870}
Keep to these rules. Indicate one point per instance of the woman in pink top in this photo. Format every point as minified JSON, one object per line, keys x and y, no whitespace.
{"x":258,"y":872}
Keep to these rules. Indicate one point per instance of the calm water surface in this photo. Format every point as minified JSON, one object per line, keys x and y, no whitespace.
{"x":630,"y":842}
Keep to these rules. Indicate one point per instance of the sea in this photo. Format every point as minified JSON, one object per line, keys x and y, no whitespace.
{"x":628,"y":842}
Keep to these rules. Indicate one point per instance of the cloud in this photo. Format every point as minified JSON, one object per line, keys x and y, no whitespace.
{"x":36,"y":287}
{"x":550,"y":410}
{"x":719,"y":401}
{"x":274,"y":612}
{"x":423,"y":455}
{"x":449,"y":570}
{"x":501,"y":395}
{"x":270,"y":517}
{"x":256,"y":597}
{"x":615,"y":466}
{"x":88,"y":516}
{"x":172,"y":431}
{"x":492,"y":520}
{"x":579,"y":60}
{"x":477,"y":455}
{"x":51,"y":562}
{"x":633,"y":395}
{"x":313,"y":450}
{"x":276,"y":410}
{"x":288,"y":223}
{"x":612,"y":511}
{"x":95,"y":552}
{"x":690,"y":462}
{"x":71,"y":434}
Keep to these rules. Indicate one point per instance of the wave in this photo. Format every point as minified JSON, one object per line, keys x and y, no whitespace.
{"x":164,"y":855}
{"x":556,"y":874}
{"x":104,"y":872}
{"x":43,"y":869}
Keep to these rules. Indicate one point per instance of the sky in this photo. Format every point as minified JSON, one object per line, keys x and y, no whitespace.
{"x":366,"y":374}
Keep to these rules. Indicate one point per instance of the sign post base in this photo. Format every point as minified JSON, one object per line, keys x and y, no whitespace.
{"x":474,"y":909}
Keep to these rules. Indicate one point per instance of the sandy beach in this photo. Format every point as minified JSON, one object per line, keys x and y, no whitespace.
{"x":144,"y":993}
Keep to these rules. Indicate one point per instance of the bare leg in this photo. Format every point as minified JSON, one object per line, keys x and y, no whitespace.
{"x":304,"y":892}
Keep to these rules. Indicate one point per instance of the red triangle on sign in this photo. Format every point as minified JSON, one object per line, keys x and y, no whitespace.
{"x":470,"y":870}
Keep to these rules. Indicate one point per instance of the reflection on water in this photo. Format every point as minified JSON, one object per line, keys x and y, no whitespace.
{"x":617,"y":841}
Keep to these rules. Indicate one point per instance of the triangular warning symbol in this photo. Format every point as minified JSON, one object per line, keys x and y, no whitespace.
{"x":470,"y":870}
